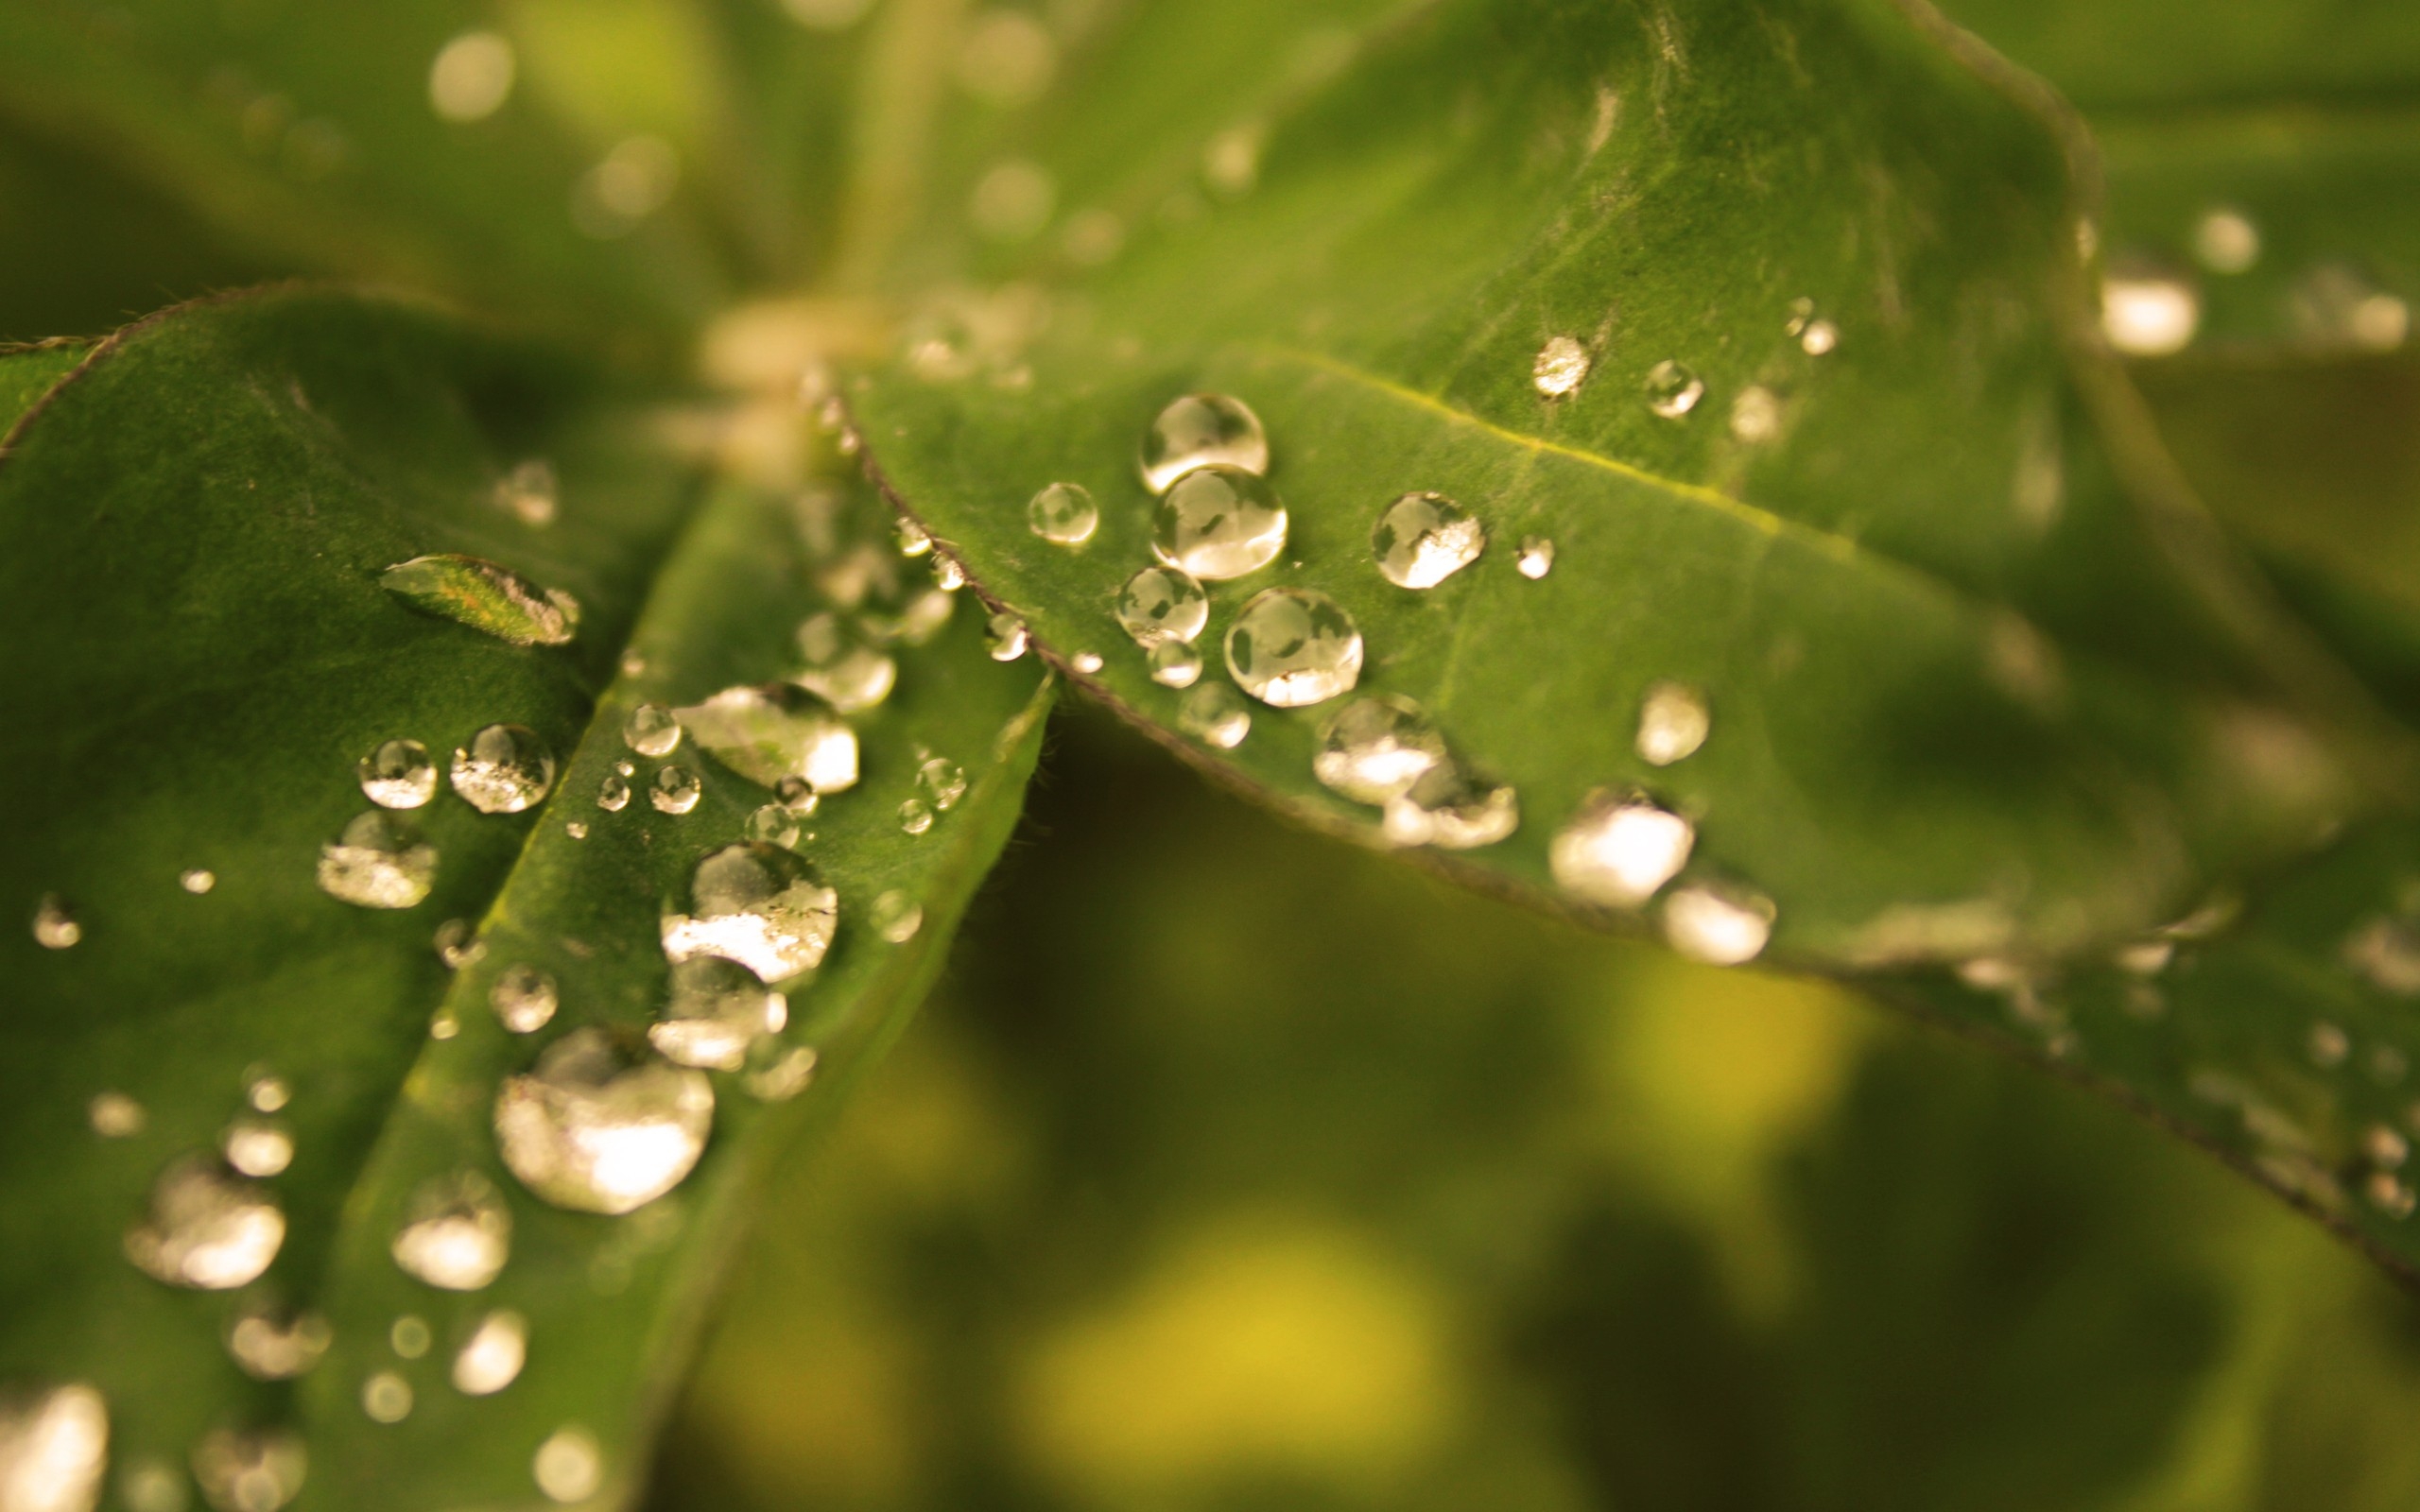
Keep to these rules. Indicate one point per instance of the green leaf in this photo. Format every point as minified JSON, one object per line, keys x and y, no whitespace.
{"x":196,"y":523}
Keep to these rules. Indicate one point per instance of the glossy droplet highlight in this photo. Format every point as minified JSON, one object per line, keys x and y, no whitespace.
{"x":1672,"y":723}
{"x":209,"y":1229}
{"x":713,"y":1012}
{"x":197,"y":880}
{"x":1373,"y":749}
{"x":568,"y":1466}
{"x":398,"y":775}
{"x":1672,"y":389}
{"x":1174,"y":665}
{"x":1063,"y":514}
{"x":2149,"y":316}
{"x":759,"y":905}
{"x":594,"y":1131}
{"x":490,"y":1359}
{"x":1216,"y":714}
{"x":457,"y":1232}
{"x":652,"y":730}
{"x":1161,"y":604}
{"x":379,"y":862}
{"x":1218,"y":523}
{"x":523,"y":998}
{"x":53,"y":1449}
{"x":915,"y":816}
{"x":1203,"y":430}
{"x":1423,"y":539}
{"x":776,"y":731}
{"x":942,"y":780}
{"x":1005,"y":637}
{"x":1619,"y":852}
{"x":1536,"y":558}
{"x":55,"y":928}
{"x":485,"y":596}
{"x":1087,"y":663}
{"x":675,"y":790}
{"x":505,"y":769}
{"x":257,"y":1147}
{"x":1560,"y":367}
{"x":1452,"y":810}
{"x":257,"y":1469}
{"x":614,"y":794}
{"x":1292,"y":647}
{"x":896,"y":916}
{"x":1709,"y":925}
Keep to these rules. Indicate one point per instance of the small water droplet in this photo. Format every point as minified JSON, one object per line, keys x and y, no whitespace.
{"x":53,"y":1450}
{"x":1203,"y":430}
{"x":456,"y":947}
{"x":1174,"y":665}
{"x":398,"y":775}
{"x":841,"y":670}
{"x":2389,"y":1195}
{"x":896,"y":916}
{"x":774,"y":824}
{"x":1373,"y":749}
{"x":387,"y":1398}
{"x":1755,"y":415}
{"x":652,"y":730}
{"x":1063,"y":514}
{"x":490,"y":1359}
{"x":267,"y":1347}
{"x":1163,"y":604}
{"x":633,"y":662}
{"x":593,"y":1130}
{"x":151,"y":1483}
{"x":209,"y":1229}
{"x":471,"y":78}
{"x":2385,"y":1148}
{"x":1004,"y":636}
{"x":1560,"y":366}
{"x":485,"y":596}
{"x":926,"y":615}
{"x":266,"y":1092}
{"x":1218,"y":523}
{"x":1452,"y":810}
{"x":197,"y":880}
{"x":257,"y":1147}
{"x":943,"y":780}
{"x":757,"y":904}
{"x":1423,"y":539}
{"x":797,"y":795}
{"x":1708,"y":925}
{"x":529,"y":493}
{"x":1292,"y":647}
{"x":457,"y":1232}
{"x":949,"y":575}
{"x":2148,"y":315}
{"x":1672,"y":723}
{"x":2146,"y":957}
{"x":614,"y":794}
{"x":577,"y":829}
{"x":409,"y":1337}
{"x":256,"y":1469}
{"x":777,"y":1072}
{"x":675,"y":790}
{"x":505,"y":769}
{"x":1672,"y":389}
{"x":1217,"y":714}
{"x":773,"y":732}
{"x":2387,"y":951}
{"x":1819,"y":338}
{"x":444,"y":1026}
{"x":914,"y":539}
{"x":115,"y":1116}
{"x":2227,"y":241}
{"x":915,"y":816}
{"x":1087,"y":663}
{"x":523,"y":998}
{"x":2329,"y":1045}
{"x":713,"y":1012}
{"x":568,"y":1466}
{"x":54,"y":927}
{"x":379,"y":862}
{"x":1619,"y":851}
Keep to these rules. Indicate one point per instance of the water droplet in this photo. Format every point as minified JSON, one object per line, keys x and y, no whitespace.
{"x":926,"y":615}
{"x":777,"y":1072}
{"x":485,"y":596}
{"x":1619,"y":851}
{"x":774,"y":731}
{"x":55,"y":928}
{"x":197,"y":880}
{"x":209,"y":1229}
{"x":257,"y":1147}
{"x":1013,"y":200}
{"x":1174,"y":665}
{"x":268,"y":1093}
{"x":577,"y":829}
{"x":774,"y":824}
{"x":444,"y":1026}
{"x":943,"y":780}
{"x":675,"y":790}
{"x":652,"y":730}
{"x":1672,"y":723}
{"x":2329,"y":1045}
{"x":2146,"y":957}
{"x":841,"y":670}
{"x":2149,"y":316}
{"x":915,"y":816}
{"x":409,"y":1337}
{"x":1536,"y":558}
{"x":457,"y":1232}
{"x":456,"y":947}
{"x":1819,"y":338}
{"x":379,"y":862}
{"x":529,"y":493}
{"x":1672,"y":389}
{"x":472,"y":77}
{"x":1707,"y":925}
{"x":266,"y":1347}
{"x":1218,"y":523}
{"x":1216,"y":714}
{"x":505,"y":769}
{"x":797,"y":795}
{"x":2389,"y":1195}
{"x":1373,"y":749}
{"x":1087,"y":663}
{"x":2227,"y":241}
{"x":592,"y":1130}
{"x":568,"y":1466}
{"x":714,"y":1011}
{"x":896,"y":916}
{"x":153,"y":1484}
{"x":1755,"y":415}
{"x":1161,"y":604}
{"x":257,"y":1469}
{"x":913,"y":539}
{"x":633,"y":662}
{"x":523,"y":998}
{"x":1203,"y":430}
{"x":1063,"y":514}
{"x":1561,"y":368}
{"x":1423,"y":539}
{"x":1448,"y":808}
{"x":491,"y":1358}
{"x":2385,"y":1148}
{"x":1292,"y":647}
{"x":947,"y":575}
{"x":614,"y":794}
{"x":1005,"y":637}
{"x":387,"y":1398}
{"x":2387,"y":950}
{"x":759,"y":905}
{"x":53,"y":1450}
{"x":398,"y":775}
{"x":115,"y":1116}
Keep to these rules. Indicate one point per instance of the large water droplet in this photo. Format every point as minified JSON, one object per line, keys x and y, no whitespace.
{"x":379,"y":862}
{"x":257,"y":1469}
{"x":1292,"y":647}
{"x":1217,"y":714}
{"x":675,"y":790}
{"x":1174,"y":665}
{"x":1708,"y":925}
{"x":53,"y":1449}
{"x":485,"y":596}
{"x":1203,"y":430}
{"x":1063,"y":514}
{"x":267,"y":1347}
{"x":652,"y":730}
{"x":1672,"y":389}
{"x":1005,"y":637}
{"x":1672,"y":723}
{"x":568,"y":1466}
{"x":257,"y":1147}
{"x":1218,"y":523}
{"x":1560,"y":366}
{"x":54,"y":927}
{"x":2149,"y":316}
{"x":523,"y":998}
{"x":759,"y":905}
{"x":398,"y":775}
{"x":1161,"y":604}
{"x":490,"y":1359}
{"x":1373,"y":749}
{"x":594,"y":1131}
{"x":1619,"y":851}
{"x":505,"y":769}
{"x":776,"y":731}
{"x":1423,"y":539}
{"x":1452,"y":810}
{"x":457,"y":1232}
{"x":714,"y":1011}
{"x":209,"y":1229}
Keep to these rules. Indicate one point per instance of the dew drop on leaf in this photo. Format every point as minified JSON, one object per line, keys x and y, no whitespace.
{"x":913,"y":539}
{"x":652,"y":730}
{"x":1292,"y":647}
{"x":1174,"y":665}
{"x":774,"y":824}
{"x":1560,"y":367}
{"x":947,"y":575}
{"x":529,"y":493}
{"x":1373,"y":749}
{"x":266,"y":1092}
{"x":378,"y":862}
{"x":505,"y":769}
{"x":385,"y":1398}
{"x":915,"y":816}
{"x":485,"y":596}
{"x":1619,"y":852}
{"x":266,"y":1347}
{"x":757,"y":904}
{"x":714,"y":1010}
{"x":209,"y":1229}
{"x":614,"y":794}
{"x":943,"y":780}
{"x":1672,"y":389}
{"x":1423,"y":539}
{"x":1005,"y":637}
{"x":255,"y":1470}
{"x":1819,"y":338}
{"x":2225,"y":240}
{"x":2387,"y":952}
{"x":1161,"y":604}
{"x":1452,"y":810}
{"x":55,"y":928}
{"x":457,"y":1232}
{"x":197,"y":880}
{"x":398,"y":775}
{"x":896,"y":916}
{"x":856,"y":679}
{"x":2148,"y":315}
{"x":1711,"y":925}
{"x":1536,"y":558}
{"x":1063,"y":514}
{"x":471,"y":78}
{"x":1203,"y":430}
{"x":1218,"y":521}
{"x":115,"y":1116}
{"x":53,"y":1450}
{"x":568,"y":1466}
{"x":675,"y":790}
{"x":2327,"y":1045}
{"x":1087,"y":663}
{"x":595,"y":1130}
{"x":490,"y":1359}
{"x":777,"y":1072}
{"x":455,"y":946}
{"x":774,"y":731}
{"x":1755,"y":415}
{"x":257,"y":1147}
{"x":1672,"y":723}
{"x":523,"y":998}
